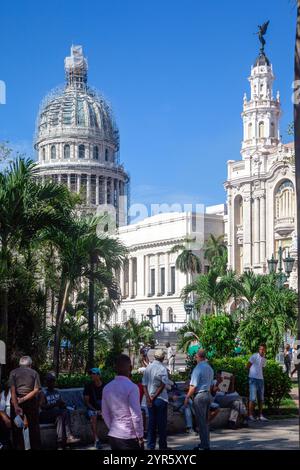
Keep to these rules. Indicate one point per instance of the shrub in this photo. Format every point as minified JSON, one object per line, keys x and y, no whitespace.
{"x":277,"y":383}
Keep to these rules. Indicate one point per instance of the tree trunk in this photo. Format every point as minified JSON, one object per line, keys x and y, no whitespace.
{"x":91,"y":317}
{"x":63,"y":298}
{"x":297,"y":162}
{"x":4,"y":294}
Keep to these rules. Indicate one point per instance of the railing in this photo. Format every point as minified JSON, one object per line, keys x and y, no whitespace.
{"x":171,"y":327}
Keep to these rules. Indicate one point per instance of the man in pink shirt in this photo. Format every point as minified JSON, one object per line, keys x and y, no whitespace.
{"x":121,"y":409}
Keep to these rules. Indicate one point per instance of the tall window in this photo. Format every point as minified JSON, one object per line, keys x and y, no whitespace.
{"x":261,"y":130}
{"x":106,"y":155}
{"x":250,"y":130}
{"x":67,"y":151}
{"x":152,"y":281}
{"x":285,"y":200}
{"x":44,"y":154}
{"x":95,"y":152}
{"x":93,"y":189}
{"x":173,"y":280}
{"x":272,"y":129}
{"x":162,"y":281}
{"x":81,"y":151}
{"x":53,"y":152}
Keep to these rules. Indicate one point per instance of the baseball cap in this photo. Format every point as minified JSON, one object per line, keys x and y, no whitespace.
{"x":95,"y":370}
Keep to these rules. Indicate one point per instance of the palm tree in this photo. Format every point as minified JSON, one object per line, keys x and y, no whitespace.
{"x":139,"y":333}
{"x":211,"y":290}
{"x":27,"y":208}
{"x":85,"y":255}
{"x":187,"y":261}
{"x":216,"y":253}
{"x":114,"y":340}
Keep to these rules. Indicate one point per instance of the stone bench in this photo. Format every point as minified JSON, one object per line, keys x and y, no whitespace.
{"x":81,"y":426}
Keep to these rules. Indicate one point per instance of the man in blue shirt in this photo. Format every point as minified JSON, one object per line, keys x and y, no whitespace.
{"x":200,"y":387}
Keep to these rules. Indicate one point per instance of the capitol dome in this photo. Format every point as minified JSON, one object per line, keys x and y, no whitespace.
{"x":77,"y":140}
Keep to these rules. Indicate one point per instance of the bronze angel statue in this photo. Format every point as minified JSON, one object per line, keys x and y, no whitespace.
{"x":262,"y":30}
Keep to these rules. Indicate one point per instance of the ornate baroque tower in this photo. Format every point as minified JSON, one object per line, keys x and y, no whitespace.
{"x":77,"y":143}
{"x":260,"y":187}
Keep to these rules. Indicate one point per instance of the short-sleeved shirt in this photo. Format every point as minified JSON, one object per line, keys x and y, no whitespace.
{"x":94,"y":393}
{"x":256,"y":369}
{"x":154,"y":376}
{"x":52,"y":396}
{"x":25,"y":380}
{"x":202,"y":377}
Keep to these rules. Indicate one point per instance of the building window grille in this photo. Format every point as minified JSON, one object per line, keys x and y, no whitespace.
{"x":53,"y":152}
{"x":67,"y":151}
{"x":81,"y":151}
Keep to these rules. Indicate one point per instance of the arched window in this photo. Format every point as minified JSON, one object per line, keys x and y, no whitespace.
{"x":95,"y":152}
{"x":124,"y":316}
{"x":81,"y":151}
{"x":272,"y":130}
{"x":285,"y":200}
{"x":261,"y":130}
{"x":132,"y":314}
{"x":170,"y":315}
{"x":250,"y":130}
{"x":44,"y":154}
{"x":53,"y":152}
{"x":106,"y":155}
{"x":67,"y":151}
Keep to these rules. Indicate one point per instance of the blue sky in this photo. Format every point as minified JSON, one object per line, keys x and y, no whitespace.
{"x":174,"y":72}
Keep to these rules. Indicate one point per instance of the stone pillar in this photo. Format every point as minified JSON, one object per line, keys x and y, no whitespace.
{"x":130,"y":279}
{"x":157,"y":276}
{"x":59,"y":179}
{"x":88,"y":189}
{"x":122,"y":281}
{"x":97,"y":190}
{"x":78,"y":184}
{"x":140,"y":277}
{"x":256,"y":230}
{"x":146,"y":264}
{"x":247,"y":229}
{"x":167,"y":269}
{"x":262,"y":227}
{"x":69,"y":182}
{"x":105,"y":189}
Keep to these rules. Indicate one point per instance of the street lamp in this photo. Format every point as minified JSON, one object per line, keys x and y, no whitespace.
{"x":288,"y":266}
{"x":188,"y":307}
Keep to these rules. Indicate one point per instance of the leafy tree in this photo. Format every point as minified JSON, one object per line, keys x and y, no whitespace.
{"x":139,"y":333}
{"x":187,"y":261}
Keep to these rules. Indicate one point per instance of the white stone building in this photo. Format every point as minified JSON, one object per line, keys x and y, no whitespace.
{"x":77,"y":142}
{"x":150,"y":282}
{"x":260,"y":187}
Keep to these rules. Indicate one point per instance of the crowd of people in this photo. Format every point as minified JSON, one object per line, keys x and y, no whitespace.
{"x":125,"y":407}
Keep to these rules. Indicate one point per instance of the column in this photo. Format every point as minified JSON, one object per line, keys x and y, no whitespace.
{"x":146,"y":264}
{"x":122,"y":280}
{"x":78,"y":184}
{"x":97,"y":190}
{"x":105,"y":189}
{"x":157,"y":276}
{"x":167,"y":268}
{"x":88,"y":189}
{"x":262,"y":227}
{"x":256,"y":230}
{"x":140,"y":277}
{"x":130,"y":279}
{"x":69,"y":182}
{"x":59,"y":179}
{"x":247,"y":229}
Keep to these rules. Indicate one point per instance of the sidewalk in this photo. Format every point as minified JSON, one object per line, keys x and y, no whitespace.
{"x":276,"y":435}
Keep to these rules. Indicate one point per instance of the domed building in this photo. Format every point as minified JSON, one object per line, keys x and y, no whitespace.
{"x":77,"y":143}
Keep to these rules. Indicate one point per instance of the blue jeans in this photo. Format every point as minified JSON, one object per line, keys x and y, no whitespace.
{"x":256,"y":389}
{"x":158,"y":413}
{"x":187,"y":411}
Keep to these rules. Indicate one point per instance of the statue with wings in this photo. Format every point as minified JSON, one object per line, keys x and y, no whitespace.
{"x":262,"y":30}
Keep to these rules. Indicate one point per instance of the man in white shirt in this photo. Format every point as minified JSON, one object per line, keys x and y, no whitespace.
{"x":256,"y":382}
{"x":170,"y":357}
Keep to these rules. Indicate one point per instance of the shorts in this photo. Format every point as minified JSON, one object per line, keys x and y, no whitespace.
{"x":91,"y":413}
{"x":256,"y":389}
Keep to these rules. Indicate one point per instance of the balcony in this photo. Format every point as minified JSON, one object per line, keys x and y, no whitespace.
{"x":284,"y":225}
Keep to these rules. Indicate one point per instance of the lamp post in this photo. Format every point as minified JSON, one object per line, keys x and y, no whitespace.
{"x":288,"y":263}
{"x":189,"y":308}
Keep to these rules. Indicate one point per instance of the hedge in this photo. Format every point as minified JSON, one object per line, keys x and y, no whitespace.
{"x":277,"y":383}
